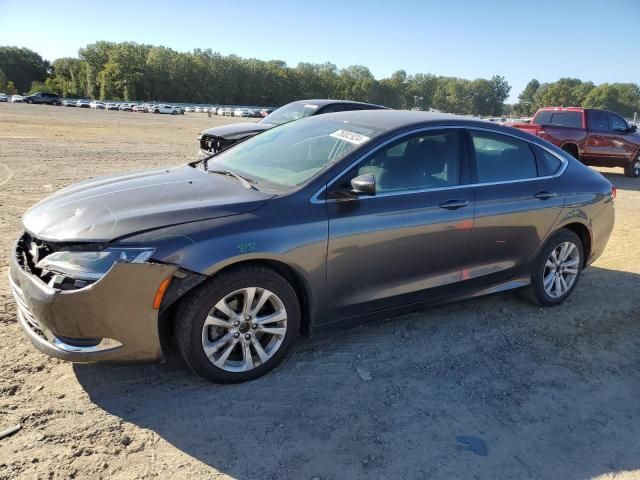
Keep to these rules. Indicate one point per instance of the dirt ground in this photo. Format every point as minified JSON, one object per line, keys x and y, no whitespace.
{"x":552,"y":393}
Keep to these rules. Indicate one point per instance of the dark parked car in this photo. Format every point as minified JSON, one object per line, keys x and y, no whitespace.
{"x":333,"y":219}
{"x":218,"y":138}
{"x":43,"y":97}
{"x":595,"y":137}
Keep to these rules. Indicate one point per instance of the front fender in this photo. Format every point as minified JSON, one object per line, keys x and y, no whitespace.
{"x":209,"y":246}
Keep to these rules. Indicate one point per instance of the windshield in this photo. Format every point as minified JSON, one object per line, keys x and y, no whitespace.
{"x":292,"y":111}
{"x":289,"y":155}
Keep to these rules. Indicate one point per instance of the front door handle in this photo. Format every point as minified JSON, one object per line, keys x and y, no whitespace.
{"x":454,"y":204}
{"x":545,"y":195}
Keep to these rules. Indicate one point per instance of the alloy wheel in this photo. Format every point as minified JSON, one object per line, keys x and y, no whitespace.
{"x":561,"y":269}
{"x":244,"y":329}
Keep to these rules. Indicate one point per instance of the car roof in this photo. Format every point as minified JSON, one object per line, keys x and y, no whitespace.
{"x":321,"y":102}
{"x":391,"y":119}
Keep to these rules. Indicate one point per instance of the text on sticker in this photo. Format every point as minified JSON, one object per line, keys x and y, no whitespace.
{"x":351,"y":137}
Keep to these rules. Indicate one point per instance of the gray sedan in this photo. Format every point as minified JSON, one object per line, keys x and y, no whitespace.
{"x":331,"y":220}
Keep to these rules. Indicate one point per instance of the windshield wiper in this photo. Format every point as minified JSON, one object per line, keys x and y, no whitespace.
{"x":245,"y":182}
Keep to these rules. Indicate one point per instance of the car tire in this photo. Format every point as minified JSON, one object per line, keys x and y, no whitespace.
{"x":545,"y":270}
{"x":173,"y":112}
{"x":54,"y":103}
{"x":201,"y":324}
{"x":633,"y":169}
{"x":29,"y":102}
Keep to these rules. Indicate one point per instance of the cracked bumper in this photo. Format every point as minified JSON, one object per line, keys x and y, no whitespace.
{"x":110,"y":320}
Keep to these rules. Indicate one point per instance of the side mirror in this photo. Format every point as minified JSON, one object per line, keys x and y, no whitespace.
{"x":632,"y":128}
{"x":364,"y":184}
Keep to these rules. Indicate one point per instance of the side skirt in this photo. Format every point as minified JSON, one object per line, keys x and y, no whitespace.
{"x":519,"y":282}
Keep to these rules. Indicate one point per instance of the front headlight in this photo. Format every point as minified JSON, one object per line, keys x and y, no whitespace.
{"x":91,"y":265}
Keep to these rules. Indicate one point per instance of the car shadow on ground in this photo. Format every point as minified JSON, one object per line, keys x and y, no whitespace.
{"x":551,"y":393}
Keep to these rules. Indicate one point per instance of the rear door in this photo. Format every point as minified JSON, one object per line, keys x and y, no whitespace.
{"x":517,"y":202}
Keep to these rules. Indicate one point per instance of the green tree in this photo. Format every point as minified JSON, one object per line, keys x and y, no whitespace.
{"x":23,"y":66}
{"x":526,"y":101}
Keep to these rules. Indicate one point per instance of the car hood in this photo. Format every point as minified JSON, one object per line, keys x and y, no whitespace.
{"x":235,"y":131}
{"x":106,"y":208}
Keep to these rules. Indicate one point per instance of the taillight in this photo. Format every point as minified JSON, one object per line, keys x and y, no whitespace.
{"x":614,"y":192}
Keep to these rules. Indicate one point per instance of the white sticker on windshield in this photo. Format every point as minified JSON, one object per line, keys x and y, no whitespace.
{"x":312,"y":107}
{"x":351,"y":137}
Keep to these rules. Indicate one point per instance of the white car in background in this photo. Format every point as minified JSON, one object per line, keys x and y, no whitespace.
{"x":220,"y":111}
{"x":4,"y":97}
{"x":16,"y":99}
{"x":162,"y":108}
{"x":97,"y":105}
{"x":242,"y":112}
{"x":69,"y":103}
{"x":126,"y":107}
{"x":200,"y":110}
{"x":139,"y":108}
{"x":189,"y":109}
{"x":83,"y":104}
{"x":111,"y":106}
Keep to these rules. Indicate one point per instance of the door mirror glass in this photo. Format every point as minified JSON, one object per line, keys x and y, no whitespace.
{"x":364,"y":184}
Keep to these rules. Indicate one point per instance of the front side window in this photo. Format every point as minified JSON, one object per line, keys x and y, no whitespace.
{"x":289,"y":155}
{"x":427,"y":160}
{"x":618,"y":124}
{"x":501,"y":158}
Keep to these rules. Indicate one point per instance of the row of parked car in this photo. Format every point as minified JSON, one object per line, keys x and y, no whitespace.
{"x":231,"y":112}
{"x":125,"y":107}
{"x":55,"y":99}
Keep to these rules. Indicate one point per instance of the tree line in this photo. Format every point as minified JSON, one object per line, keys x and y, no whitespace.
{"x":623,"y":98}
{"x":132,"y":71}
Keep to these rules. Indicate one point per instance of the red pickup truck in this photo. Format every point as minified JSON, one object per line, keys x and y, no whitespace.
{"x":595,"y":137}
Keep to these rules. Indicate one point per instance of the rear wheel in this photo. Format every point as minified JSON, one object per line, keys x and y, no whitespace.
{"x":556,"y":271}
{"x":572,"y":150}
{"x":239,"y":325}
{"x":633,"y":169}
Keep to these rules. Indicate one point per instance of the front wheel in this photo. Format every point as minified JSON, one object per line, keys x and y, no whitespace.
{"x":239,"y":325}
{"x":29,"y":102}
{"x":633,"y":169}
{"x":556,"y":271}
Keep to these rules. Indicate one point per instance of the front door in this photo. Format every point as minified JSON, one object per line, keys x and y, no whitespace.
{"x":407,"y":242}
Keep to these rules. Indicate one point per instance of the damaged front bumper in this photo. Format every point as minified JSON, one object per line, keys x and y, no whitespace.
{"x":112,"y":319}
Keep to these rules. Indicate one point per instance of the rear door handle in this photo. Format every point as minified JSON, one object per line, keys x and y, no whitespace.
{"x":454,"y":204}
{"x":545,"y":195}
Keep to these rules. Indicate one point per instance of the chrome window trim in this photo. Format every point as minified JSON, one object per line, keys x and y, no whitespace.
{"x":314,"y":199}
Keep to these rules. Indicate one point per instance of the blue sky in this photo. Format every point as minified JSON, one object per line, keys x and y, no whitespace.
{"x":588,"y":39}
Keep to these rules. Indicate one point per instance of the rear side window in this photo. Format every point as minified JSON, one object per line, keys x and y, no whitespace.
{"x":560,"y":119}
{"x":598,"y":121}
{"x":542,"y":118}
{"x":549,"y":163}
{"x":501,"y":158}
